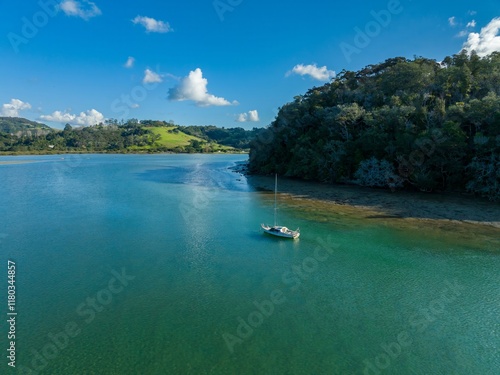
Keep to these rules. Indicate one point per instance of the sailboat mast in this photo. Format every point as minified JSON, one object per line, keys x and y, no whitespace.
{"x":275,"y":192}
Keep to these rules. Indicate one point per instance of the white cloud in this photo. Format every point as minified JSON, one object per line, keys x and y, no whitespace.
{"x":13,"y":108}
{"x":452,"y":21}
{"x":472,"y":24}
{"x":321,"y":74}
{"x":242,"y":117}
{"x":151,"y":77}
{"x":486,"y":41}
{"x":152,"y":25}
{"x":130,"y":62}
{"x":88,"y":118}
{"x":83,"y":9}
{"x":472,"y":12}
{"x":194,"y":87}
{"x":253,"y":115}
{"x":250,"y":116}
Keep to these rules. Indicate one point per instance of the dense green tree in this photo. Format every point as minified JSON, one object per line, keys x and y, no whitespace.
{"x":435,"y":125}
{"x":113,"y":136}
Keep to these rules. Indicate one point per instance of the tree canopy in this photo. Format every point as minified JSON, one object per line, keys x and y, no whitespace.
{"x":121,"y":136}
{"x":401,"y":123}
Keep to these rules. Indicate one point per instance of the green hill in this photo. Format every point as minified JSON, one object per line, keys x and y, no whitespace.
{"x":172,"y":138}
{"x":24,"y":136}
{"x":16,"y":124}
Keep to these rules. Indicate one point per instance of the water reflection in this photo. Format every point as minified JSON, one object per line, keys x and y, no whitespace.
{"x":203,"y":174}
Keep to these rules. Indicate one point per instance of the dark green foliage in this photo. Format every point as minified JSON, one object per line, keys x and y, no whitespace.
{"x":114,"y":136}
{"x":436,"y":125}
{"x":235,"y":137}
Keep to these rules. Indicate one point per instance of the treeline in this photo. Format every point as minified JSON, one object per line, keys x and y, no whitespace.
{"x":25,"y":136}
{"x":99,"y":138}
{"x":235,"y":137}
{"x":398,"y":124}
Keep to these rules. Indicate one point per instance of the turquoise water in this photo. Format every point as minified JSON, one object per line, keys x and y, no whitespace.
{"x":200,"y":290}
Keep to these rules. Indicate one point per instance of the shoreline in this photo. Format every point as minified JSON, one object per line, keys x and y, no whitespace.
{"x":9,"y":162}
{"x":384,"y":204}
{"x":35,"y":153}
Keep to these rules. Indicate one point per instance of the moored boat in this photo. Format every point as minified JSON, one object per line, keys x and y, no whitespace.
{"x":279,"y":230}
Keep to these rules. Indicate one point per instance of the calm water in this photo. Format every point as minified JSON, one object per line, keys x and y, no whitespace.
{"x":200,"y":290}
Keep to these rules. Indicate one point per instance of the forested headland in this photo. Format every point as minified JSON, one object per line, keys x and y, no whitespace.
{"x":411,"y":124}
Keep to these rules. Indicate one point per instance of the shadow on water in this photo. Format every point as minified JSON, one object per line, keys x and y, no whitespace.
{"x":385,"y":204}
{"x":460,"y":220}
{"x":383,"y":217}
{"x":209,"y":175}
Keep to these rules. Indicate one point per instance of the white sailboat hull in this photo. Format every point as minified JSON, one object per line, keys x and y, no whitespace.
{"x":280,"y":231}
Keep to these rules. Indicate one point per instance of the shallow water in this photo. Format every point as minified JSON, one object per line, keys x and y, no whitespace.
{"x":202,"y":291}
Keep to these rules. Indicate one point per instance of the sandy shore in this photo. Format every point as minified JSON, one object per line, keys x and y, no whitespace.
{"x":16,"y":162}
{"x":382,"y":204}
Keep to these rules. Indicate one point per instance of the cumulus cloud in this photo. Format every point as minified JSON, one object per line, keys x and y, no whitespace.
{"x":485,"y":42}
{"x":130,"y":62}
{"x":250,"y":116}
{"x":452,"y":21}
{"x":253,"y":115}
{"x":194,"y":87}
{"x":321,"y":74}
{"x":13,"y":108}
{"x":152,"y":25}
{"x":151,"y":77}
{"x":471,"y":24}
{"x":88,"y":118}
{"x":83,"y":9}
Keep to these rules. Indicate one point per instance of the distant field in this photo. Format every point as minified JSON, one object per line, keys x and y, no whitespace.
{"x":172,"y":140}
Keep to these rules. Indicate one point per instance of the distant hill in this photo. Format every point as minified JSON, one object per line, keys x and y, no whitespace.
{"x":16,"y":124}
{"x":21,"y":136}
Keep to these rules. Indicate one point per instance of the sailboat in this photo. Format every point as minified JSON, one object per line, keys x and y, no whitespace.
{"x":278,"y":230}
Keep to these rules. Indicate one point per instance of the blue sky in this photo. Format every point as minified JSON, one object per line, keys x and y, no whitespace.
{"x":204,"y":62}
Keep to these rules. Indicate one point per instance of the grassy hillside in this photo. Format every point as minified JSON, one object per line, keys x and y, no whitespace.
{"x":171,"y":138}
{"x":16,"y":124}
